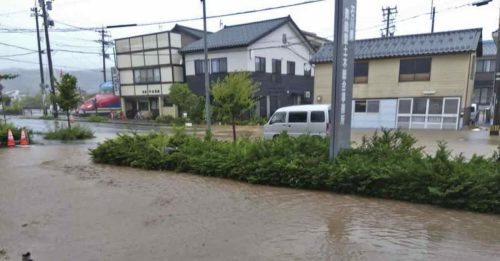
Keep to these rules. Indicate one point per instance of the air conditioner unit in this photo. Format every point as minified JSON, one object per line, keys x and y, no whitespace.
{"x":307,"y":94}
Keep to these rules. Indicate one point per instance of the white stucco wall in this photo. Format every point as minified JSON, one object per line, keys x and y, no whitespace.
{"x":236,"y":59}
{"x":272,"y":47}
{"x":269,"y":47}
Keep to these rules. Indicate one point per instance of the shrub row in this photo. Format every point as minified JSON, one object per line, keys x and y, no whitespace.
{"x":76,"y":132}
{"x":386,"y":165}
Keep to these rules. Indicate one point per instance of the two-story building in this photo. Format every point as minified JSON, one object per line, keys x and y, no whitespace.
{"x":484,"y":82}
{"x":148,"y":65}
{"x":275,"y":51}
{"x":421,"y":81}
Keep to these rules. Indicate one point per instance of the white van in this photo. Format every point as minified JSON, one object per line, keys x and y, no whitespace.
{"x":300,"y":119}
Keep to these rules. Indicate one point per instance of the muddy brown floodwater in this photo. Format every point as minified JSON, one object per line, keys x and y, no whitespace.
{"x":59,"y":206}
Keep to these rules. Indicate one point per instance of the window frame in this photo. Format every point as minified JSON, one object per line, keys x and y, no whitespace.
{"x":221,"y":64}
{"x":276,"y":75}
{"x":366,"y":105}
{"x":199,"y":66}
{"x":148,"y":75}
{"x":307,"y":73}
{"x":414,"y":73}
{"x":260,"y":64}
{"x":290,"y":67}
{"x":359,"y":73}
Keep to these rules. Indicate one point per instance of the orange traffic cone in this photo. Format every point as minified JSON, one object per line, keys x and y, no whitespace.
{"x":10,"y":140}
{"x":24,"y":140}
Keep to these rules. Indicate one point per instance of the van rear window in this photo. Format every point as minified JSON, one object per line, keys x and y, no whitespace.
{"x":298,"y":116}
{"x":317,"y":116}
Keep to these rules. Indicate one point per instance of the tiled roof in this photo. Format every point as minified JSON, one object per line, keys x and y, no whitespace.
{"x":237,"y":35}
{"x":189,"y":30}
{"x":489,"y":48}
{"x":409,"y":45}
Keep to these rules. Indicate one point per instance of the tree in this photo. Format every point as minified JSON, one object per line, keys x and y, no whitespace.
{"x":187,"y":101}
{"x":234,"y":95}
{"x":67,"y":96}
{"x":7,"y":76}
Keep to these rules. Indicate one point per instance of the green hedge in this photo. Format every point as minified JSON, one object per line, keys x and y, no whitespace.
{"x":16,"y":132}
{"x":386,"y":165}
{"x":76,"y":132}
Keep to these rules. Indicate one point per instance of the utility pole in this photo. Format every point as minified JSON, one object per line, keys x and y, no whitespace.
{"x":207,"y":79}
{"x":49,"y":56}
{"x":42,"y":78}
{"x":104,"y":44}
{"x":433,"y":15}
{"x":389,"y":14}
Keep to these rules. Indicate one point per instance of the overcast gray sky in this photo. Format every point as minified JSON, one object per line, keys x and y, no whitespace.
{"x":315,"y":17}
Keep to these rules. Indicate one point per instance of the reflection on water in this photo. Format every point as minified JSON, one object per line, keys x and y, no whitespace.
{"x":187,"y":217}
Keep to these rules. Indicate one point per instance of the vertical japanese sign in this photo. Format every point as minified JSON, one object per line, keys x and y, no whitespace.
{"x":342,"y":75}
{"x":115,"y":76}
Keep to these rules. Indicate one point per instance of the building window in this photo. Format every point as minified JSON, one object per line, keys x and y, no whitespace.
{"x":419,"y":106}
{"x":307,"y":69}
{"x":486,"y":66}
{"x":150,"y":75}
{"x":219,"y":65}
{"x":276,"y":70}
{"x":418,"y":69}
{"x":199,"y":67}
{"x":290,"y":68}
{"x":361,"y":72}
{"x":260,"y":64}
{"x":367,"y":106}
{"x":482,"y":96}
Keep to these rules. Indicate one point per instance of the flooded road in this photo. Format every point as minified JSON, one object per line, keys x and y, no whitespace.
{"x":59,"y":206}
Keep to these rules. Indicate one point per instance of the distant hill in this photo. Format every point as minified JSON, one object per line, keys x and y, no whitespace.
{"x":28,"y":81}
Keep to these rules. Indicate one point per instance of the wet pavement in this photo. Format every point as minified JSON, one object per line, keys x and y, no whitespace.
{"x":57,"y":204}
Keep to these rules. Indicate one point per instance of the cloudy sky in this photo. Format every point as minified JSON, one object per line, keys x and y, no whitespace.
{"x":79,"y":50}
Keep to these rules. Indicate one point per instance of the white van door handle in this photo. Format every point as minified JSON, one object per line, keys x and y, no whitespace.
{"x":287,"y":125}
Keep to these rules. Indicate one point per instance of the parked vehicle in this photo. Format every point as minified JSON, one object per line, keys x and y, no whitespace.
{"x":300,"y":119}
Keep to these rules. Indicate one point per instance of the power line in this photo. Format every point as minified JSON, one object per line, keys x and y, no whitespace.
{"x":57,"y":67}
{"x":78,"y":28}
{"x":19,"y":54}
{"x":19,"y":47}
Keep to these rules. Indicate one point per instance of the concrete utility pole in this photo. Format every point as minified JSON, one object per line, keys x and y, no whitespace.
{"x":389,"y":14}
{"x":342,"y":75}
{"x":42,"y":78}
{"x":104,"y":43}
{"x":49,"y":56}
{"x":207,"y":79}
{"x":433,"y":15}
